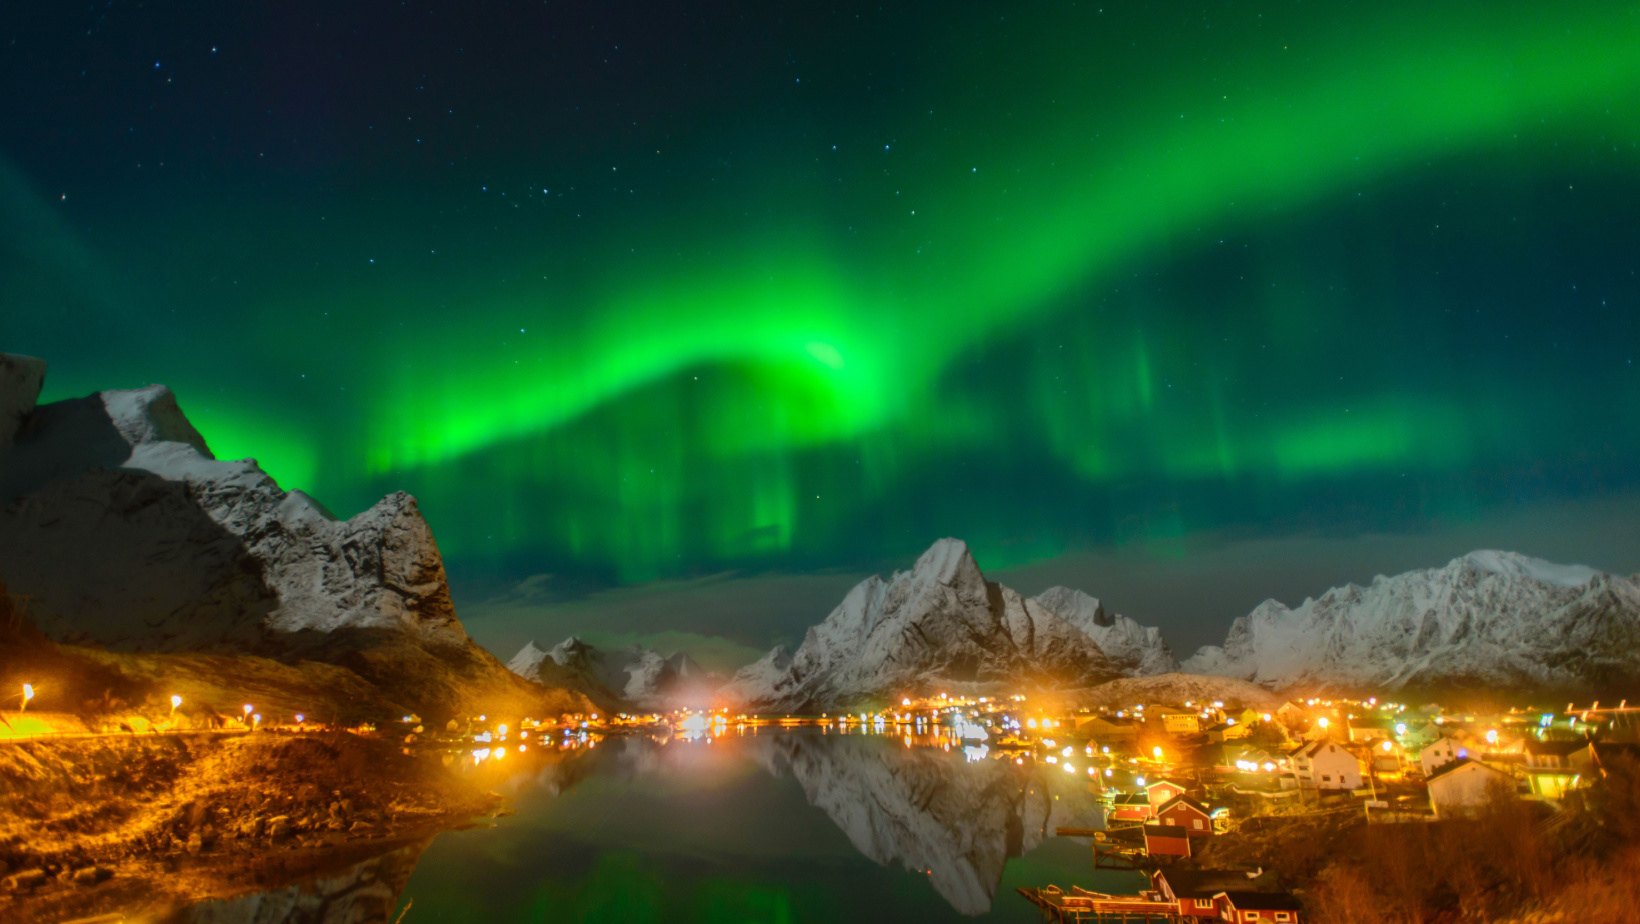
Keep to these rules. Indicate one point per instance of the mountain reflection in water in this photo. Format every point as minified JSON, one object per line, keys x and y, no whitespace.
{"x":727,"y":829}
{"x":367,"y":891}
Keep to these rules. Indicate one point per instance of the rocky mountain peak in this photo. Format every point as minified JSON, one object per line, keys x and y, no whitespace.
{"x":21,"y":378}
{"x":941,"y":624}
{"x":949,"y":562}
{"x":527,"y":660}
{"x":1069,"y":601}
{"x":120,"y":525}
{"x":1516,"y":565}
{"x":151,"y":415}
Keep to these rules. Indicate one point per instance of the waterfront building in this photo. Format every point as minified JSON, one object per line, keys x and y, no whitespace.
{"x":1187,"y":813}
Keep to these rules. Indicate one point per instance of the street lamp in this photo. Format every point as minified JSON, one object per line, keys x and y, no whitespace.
{"x":175,"y":702}
{"x":28,"y":694}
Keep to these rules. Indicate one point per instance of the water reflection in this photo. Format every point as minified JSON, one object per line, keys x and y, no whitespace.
{"x":767,"y":824}
{"x":365,"y":892}
{"x":957,"y":820}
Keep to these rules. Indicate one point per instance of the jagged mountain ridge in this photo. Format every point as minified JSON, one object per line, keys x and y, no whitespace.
{"x":943,"y":625}
{"x":631,"y":677}
{"x":123,"y":531}
{"x":1488,"y":617}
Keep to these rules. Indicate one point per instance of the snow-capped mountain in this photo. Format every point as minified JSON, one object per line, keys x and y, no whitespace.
{"x":628,"y":677}
{"x":1131,"y":648}
{"x":941,"y":626}
{"x":122,"y":530}
{"x":1485,"y":618}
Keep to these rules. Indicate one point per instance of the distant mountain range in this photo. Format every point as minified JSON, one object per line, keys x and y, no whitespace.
{"x":1487,"y":618}
{"x":627,"y":678}
{"x":120,"y":529}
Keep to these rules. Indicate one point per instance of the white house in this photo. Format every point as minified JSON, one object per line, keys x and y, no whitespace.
{"x":1325,"y":765}
{"x":1463,"y":786}
{"x":1439,"y":753}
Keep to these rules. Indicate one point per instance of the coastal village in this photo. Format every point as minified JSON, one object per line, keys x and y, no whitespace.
{"x":1189,"y":789}
{"x":1185,"y":784}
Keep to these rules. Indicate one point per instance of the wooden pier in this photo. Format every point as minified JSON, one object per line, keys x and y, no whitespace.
{"x":1080,"y":905}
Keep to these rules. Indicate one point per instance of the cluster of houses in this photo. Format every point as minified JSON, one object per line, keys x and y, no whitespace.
{"x":1351,"y":746}
{"x":1169,"y":816}
{"x":1314,"y":752}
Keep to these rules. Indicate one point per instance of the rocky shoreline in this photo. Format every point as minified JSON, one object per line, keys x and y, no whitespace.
{"x":153,"y":825}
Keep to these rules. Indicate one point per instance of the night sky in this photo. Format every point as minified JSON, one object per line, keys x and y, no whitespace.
{"x":1193,"y":303}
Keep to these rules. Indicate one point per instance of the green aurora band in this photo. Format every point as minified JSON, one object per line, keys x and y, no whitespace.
{"x":1020,"y":305}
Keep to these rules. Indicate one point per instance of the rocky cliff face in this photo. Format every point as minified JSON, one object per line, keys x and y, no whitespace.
{"x":20,"y":380}
{"x":941,"y":625}
{"x":1131,"y":648}
{"x":1485,"y":618}
{"x":122,"y":530}
{"x":629,"y":678}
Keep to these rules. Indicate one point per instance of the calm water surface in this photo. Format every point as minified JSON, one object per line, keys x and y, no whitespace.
{"x":794,"y":825}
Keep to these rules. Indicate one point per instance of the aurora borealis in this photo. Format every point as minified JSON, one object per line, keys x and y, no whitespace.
{"x":634,"y":293}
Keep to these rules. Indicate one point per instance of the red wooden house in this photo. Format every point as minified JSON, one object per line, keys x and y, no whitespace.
{"x":1187,"y":813}
{"x":1241,"y":907}
{"x":1166,"y":841}
{"x":1132,"y":807}
{"x":1162,"y":792}
{"x":1195,"y":892}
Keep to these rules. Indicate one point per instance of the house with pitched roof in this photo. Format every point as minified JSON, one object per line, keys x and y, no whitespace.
{"x":1557,"y":766}
{"x":1194,"y":892}
{"x":1438,"y":753}
{"x":1162,"y":792}
{"x":1464,"y":786}
{"x":1188,"y":814}
{"x":1323,"y":764}
{"x":1242,"y":907}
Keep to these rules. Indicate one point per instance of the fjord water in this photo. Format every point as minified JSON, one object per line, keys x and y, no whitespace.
{"x":793,"y":825}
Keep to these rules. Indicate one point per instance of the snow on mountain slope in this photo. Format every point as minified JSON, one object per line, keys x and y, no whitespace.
{"x":1179,"y":688}
{"x":1131,"y":648}
{"x":123,"y":529}
{"x":633,"y":677}
{"x":940,"y":625}
{"x":1486,"y":617}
